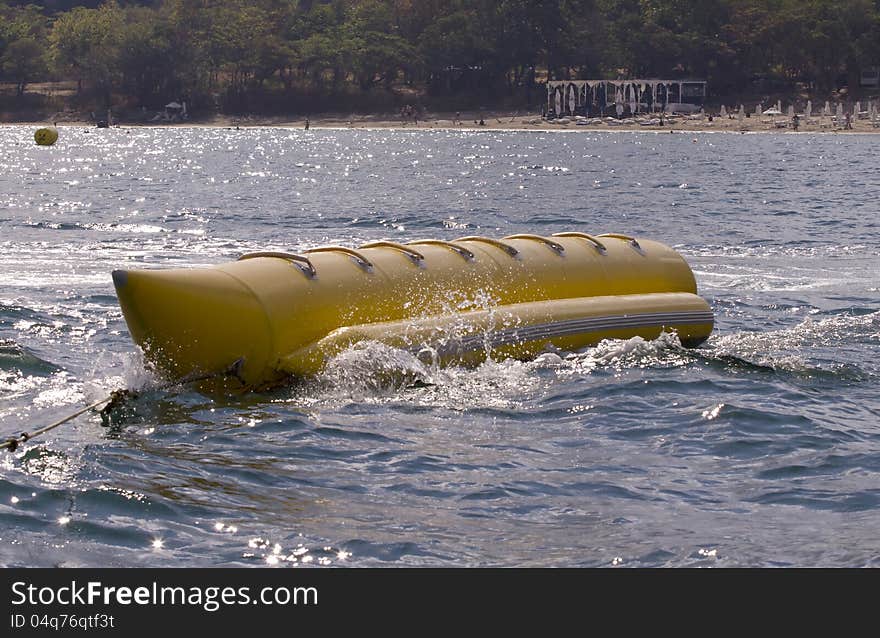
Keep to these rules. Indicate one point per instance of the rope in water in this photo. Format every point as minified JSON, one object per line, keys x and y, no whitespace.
{"x":12,"y":443}
{"x":114,"y":400}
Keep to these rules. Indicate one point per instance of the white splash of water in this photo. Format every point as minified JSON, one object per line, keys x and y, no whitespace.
{"x":373,"y":372}
{"x":129,"y":370}
{"x":620,"y":354}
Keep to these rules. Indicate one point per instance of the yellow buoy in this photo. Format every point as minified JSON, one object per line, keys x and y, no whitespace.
{"x":46,"y":136}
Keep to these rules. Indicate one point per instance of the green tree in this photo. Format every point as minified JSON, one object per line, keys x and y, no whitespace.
{"x":371,"y":46}
{"x":314,"y":34}
{"x":248,"y":53}
{"x":237,"y":40}
{"x":146,"y":57}
{"x":86,"y":43}
{"x":22,"y":54}
{"x":187,"y":24}
{"x":454,"y":49}
{"x":23,"y":61}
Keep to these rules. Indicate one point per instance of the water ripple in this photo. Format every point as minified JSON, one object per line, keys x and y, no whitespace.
{"x":756,"y":449}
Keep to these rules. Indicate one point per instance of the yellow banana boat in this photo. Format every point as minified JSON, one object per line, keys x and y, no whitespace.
{"x":283,"y":314}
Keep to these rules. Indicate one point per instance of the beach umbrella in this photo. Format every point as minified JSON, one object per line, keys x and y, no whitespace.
{"x":773,"y":112}
{"x":173,"y":105}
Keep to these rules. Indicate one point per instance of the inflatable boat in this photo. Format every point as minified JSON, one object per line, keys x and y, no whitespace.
{"x":280,"y":315}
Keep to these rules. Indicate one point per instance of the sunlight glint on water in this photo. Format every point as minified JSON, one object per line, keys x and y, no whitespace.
{"x":759,"y":448}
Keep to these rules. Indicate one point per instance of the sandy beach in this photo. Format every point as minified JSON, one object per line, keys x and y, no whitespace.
{"x":516,"y":121}
{"x":509,"y":121}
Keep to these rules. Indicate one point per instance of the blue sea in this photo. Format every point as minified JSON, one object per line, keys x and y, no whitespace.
{"x":760,"y":448}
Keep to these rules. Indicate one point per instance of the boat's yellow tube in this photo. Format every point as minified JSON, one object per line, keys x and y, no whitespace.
{"x":287,"y":314}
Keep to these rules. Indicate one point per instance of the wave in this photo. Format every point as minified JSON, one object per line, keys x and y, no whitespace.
{"x":375,"y":372}
{"x":17,"y":358}
{"x":804,"y":249}
{"x":112,"y":227}
{"x":812,"y":347}
{"x":11,"y":313}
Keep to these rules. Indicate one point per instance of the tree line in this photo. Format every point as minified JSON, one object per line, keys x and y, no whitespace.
{"x":300,"y":55}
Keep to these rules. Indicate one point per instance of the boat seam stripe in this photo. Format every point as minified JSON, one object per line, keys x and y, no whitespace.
{"x":570,"y":327}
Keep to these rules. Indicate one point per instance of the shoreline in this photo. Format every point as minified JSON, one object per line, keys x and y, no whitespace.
{"x":496,"y":122}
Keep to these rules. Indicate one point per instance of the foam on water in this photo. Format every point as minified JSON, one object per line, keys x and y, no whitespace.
{"x":375,"y":372}
{"x":372,"y":372}
{"x":792,"y":349}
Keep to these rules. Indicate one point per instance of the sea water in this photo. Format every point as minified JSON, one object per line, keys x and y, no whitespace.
{"x":760,"y":448}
